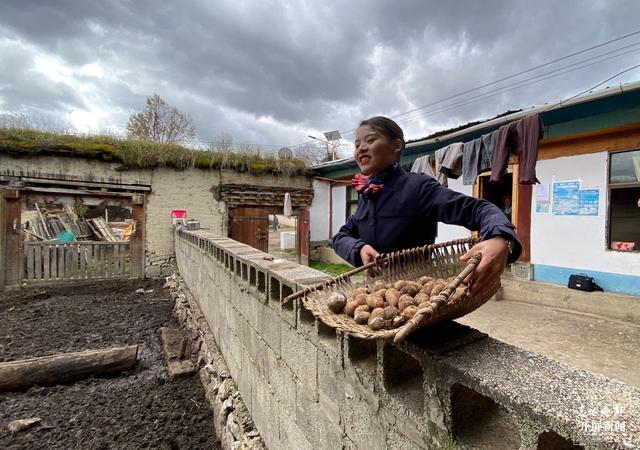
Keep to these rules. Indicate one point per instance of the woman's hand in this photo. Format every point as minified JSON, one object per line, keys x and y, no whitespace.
{"x":494,"y":259}
{"x":368,"y":254}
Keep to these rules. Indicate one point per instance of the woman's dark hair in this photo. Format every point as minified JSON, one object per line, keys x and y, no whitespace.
{"x":386,"y":127}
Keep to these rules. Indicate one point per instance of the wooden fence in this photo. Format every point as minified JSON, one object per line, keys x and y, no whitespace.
{"x":51,"y":261}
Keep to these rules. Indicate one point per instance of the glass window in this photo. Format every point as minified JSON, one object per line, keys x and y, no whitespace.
{"x":624,"y":203}
{"x":352,"y":201}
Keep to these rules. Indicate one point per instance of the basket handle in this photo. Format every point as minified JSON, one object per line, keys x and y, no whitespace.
{"x":441,"y":299}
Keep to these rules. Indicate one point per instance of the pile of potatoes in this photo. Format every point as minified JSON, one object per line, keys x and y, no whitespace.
{"x":390,"y":305}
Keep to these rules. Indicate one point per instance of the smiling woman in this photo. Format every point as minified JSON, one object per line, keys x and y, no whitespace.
{"x":399,"y":210}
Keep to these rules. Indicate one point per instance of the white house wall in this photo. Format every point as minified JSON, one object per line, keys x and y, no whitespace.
{"x":319,"y":211}
{"x":561,"y":245}
{"x":339,"y":207}
{"x":450,"y":232}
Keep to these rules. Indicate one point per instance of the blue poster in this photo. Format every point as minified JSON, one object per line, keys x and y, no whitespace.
{"x":589,"y":200}
{"x":566,"y":198}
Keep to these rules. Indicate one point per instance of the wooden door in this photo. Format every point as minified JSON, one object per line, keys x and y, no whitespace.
{"x":250,"y":226}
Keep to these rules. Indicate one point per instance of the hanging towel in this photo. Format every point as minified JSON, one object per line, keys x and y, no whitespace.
{"x":423,"y":165}
{"x":452,"y":161}
{"x":287,"y":205}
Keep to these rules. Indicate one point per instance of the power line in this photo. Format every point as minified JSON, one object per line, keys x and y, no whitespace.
{"x":459,"y":94}
{"x":513,"y":86}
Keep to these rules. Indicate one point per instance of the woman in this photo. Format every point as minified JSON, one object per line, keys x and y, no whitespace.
{"x":398,"y":210}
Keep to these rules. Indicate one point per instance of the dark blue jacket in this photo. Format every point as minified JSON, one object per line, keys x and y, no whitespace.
{"x":406,"y":212}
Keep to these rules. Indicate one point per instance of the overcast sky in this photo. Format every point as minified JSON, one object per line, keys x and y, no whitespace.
{"x":273,"y":72}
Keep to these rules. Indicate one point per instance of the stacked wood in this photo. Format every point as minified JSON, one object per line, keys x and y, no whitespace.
{"x":44,"y":225}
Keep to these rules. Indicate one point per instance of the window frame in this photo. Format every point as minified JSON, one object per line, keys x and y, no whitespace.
{"x":349,"y":201}
{"x":610,"y":187}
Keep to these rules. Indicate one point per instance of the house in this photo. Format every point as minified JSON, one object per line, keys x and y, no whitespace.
{"x":583,"y":217}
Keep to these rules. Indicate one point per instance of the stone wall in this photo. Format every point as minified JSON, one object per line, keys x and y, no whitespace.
{"x":191,"y":189}
{"x":307,"y":386}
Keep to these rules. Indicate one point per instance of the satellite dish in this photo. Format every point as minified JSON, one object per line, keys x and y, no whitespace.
{"x":285,"y":153}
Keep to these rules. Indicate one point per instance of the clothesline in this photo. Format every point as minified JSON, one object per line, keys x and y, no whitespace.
{"x":488,"y":152}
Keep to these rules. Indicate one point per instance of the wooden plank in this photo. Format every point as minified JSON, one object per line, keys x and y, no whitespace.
{"x":30,"y":250}
{"x":61,"y":271}
{"x":54,"y":261}
{"x":101,"y":251}
{"x":83,"y":263}
{"x":118,"y":248}
{"x":37,"y":260}
{"x":46,"y":254}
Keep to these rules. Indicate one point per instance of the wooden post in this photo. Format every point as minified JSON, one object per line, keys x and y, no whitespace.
{"x":136,"y":246}
{"x":13,"y":244}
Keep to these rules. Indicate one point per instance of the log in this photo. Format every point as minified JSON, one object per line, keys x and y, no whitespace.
{"x":49,"y":370}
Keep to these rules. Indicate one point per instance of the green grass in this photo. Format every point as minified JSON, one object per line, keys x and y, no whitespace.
{"x":144,"y":154}
{"x":330,"y":268}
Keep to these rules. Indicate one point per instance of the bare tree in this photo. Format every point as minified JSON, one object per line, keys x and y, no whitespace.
{"x":160,"y":122}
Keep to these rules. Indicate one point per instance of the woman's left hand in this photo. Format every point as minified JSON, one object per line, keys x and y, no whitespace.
{"x":494,"y":259}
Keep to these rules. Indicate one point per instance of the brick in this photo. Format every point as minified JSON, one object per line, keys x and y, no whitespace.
{"x":270,"y":329}
{"x":291,"y":437}
{"x":301,"y":356}
{"x":283,"y":382}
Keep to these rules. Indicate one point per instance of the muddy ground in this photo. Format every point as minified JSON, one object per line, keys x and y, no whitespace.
{"x":140,"y":408}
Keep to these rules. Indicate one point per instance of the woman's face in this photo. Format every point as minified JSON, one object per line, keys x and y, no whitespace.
{"x":375,"y":152}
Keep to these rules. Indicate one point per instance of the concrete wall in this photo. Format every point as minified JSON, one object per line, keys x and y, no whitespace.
{"x":191,"y":189}
{"x":568,"y":244}
{"x":307,"y":386}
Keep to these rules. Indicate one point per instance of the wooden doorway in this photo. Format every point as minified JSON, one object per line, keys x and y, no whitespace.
{"x":250,"y":226}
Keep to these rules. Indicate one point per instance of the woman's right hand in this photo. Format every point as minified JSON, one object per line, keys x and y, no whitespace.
{"x":368,"y":254}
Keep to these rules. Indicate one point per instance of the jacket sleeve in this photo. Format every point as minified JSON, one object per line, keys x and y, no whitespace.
{"x":475,"y":214}
{"x":347,"y":243}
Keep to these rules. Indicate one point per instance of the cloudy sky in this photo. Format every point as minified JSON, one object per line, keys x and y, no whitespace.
{"x":273,"y":72}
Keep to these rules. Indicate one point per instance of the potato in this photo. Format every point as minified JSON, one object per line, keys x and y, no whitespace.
{"x":361,"y":317}
{"x":361,"y":299}
{"x":351,"y":308}
{"x":457,"y":294}
{"x":437,"y":288}
{"x":336,"y":302}
{"x":360,"y":308}
{"x":399,"y":284}
{"x":375,"y":301}
{"x":409,"y":289}
{"x":392,"y":296}
{"x":390,"y":312}
{"x":428,"y":287}
{"x":409,"y":312}
{"x":405,"y":300}
{"x":361,"y":290}
{"x":398,"y":321}
{"x":376,"y":323}
{"x":424,"y":280}
{"x":378,"y":312}
{"x":378,"y":285}
{"x":421,"y":297}
{"x":424,"y":305}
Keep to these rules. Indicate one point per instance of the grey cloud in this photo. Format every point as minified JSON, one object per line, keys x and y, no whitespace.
{"x":304,"y":67}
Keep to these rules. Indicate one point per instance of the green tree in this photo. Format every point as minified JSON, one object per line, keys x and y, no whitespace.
{"x":160,"y":122}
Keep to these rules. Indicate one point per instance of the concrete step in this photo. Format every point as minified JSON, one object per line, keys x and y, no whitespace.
{"x":605,"y":304}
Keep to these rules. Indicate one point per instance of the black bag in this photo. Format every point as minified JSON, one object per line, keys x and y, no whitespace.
{"x":583,"y":282}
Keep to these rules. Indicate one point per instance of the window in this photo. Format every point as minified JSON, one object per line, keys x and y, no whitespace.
{"x":352,"y":201}
{"x":624,"y":203}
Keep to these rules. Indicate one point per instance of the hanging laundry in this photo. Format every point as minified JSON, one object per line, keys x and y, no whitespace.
{"x":520,"y":138}
{"x":486,"y":151}
{"x":471,"y":161}
{"x":451,"y":165}
{"x":423,"y":165}
{"x":442,"y":178}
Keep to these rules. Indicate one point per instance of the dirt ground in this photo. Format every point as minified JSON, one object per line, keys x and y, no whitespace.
{"x":140,"y":408}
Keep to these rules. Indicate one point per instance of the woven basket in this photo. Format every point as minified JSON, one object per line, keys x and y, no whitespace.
{"x":437,"y":261}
